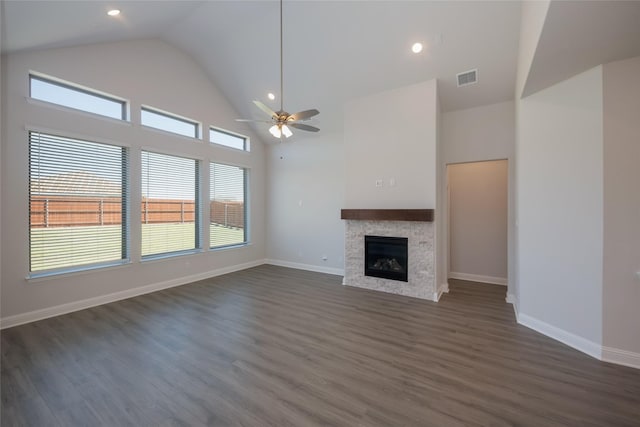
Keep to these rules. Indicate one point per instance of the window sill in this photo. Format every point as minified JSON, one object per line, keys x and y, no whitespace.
{"x":79,"y":271}
{"x":170,"y":255}
{"x":231,"y":246}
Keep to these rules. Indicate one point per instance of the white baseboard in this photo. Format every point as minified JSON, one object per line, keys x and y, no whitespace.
{"x":606,"y":354}
{"x":511,"y":299}
{"x":621,"y":357}
{"x":478,"y":278}
{"x":442,"y":289}
{"x":579,"y":343}
{"x":308,"y":267}
{"x":32,"y":316}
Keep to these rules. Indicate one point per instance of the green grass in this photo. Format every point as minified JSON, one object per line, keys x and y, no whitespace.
{"x":73,"y":247}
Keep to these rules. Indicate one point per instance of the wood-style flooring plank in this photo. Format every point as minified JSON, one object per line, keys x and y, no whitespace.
{"x":272,"y":346}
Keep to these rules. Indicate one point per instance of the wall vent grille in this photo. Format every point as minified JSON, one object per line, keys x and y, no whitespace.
{"x":467,"y":78}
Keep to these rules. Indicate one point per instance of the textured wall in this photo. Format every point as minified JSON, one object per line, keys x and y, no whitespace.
{"x":421,"y":282}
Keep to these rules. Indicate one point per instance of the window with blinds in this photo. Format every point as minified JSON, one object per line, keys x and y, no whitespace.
{"x":228,"y":214}
{"x":170,"y":206}
{"x":77,"y":204}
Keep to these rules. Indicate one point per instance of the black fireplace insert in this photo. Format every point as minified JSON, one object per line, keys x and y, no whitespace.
{"x":386,"y":257}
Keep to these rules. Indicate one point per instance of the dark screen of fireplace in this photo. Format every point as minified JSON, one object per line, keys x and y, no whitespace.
{"x":386,"y":257}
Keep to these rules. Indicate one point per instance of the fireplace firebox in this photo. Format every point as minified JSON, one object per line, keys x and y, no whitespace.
{"x":386,"y":257}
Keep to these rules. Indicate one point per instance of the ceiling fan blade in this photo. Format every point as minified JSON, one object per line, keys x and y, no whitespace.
{"x":266,"y":109}
{"x":303,"y":115}
{"x":253,"y":121}
{"x":302,"y":126}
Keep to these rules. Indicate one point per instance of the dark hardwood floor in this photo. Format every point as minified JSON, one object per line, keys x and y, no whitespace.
{"x":272,"y":346}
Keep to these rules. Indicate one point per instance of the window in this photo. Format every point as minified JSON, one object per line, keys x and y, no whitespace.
{"x":170,"y":205}
{"x":221,"y":137}
{"x":77,"y":204}
{"x":228,"y":214}
{"x":75,"y":97}
{"x":168,"y":122}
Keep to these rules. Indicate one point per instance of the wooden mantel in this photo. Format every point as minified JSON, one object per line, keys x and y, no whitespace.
{"x":388,"y":214}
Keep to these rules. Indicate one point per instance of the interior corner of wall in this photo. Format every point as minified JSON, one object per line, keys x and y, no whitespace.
{"x":532,"y":18}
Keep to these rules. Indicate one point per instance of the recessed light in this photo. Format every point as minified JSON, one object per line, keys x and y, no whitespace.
{"x":416,"y":48}
{"x":114,"y":12}
{"x":271,"y":96}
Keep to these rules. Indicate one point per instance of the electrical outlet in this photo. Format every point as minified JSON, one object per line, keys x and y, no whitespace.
{"x":324,"y":257}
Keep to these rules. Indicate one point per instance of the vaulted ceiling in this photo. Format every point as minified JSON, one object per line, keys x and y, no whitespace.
{"x":338,"y":50}
{"x":333,"y":50}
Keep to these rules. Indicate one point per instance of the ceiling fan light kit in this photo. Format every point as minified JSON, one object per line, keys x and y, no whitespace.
{"x":279,"y":130}
{"x":281,"y":120}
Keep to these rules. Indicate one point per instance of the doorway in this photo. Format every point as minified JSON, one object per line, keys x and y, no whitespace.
{"x":478,"y":221}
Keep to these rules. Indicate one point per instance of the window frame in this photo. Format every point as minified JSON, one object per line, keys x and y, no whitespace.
{"x":246,"y":140}
{"x":53,"y":81}
{"x":168,"y":115}
{"x":245,"y":194}
{"x":125,"y":224}
{"x":198,"y":241}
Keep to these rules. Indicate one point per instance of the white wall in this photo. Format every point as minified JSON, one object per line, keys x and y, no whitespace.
{"x":560,"y":210}
{"x":145,"y":72}
{"x":478,"y":221}
{"x":441,"y":233}
{"x":621,"y":211}
{"x":314,"y":176}
{"x":533,"y":16}
{"x":391,"y":136}
{"x":480,"y":134}
{"x":2,"y":120}
{"x":305,"y":195}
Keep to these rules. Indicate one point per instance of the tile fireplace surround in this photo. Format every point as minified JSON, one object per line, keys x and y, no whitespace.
{"x":414,"y":224}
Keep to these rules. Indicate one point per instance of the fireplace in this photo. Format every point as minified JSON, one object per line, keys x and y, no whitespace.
{"x":386,"y":257}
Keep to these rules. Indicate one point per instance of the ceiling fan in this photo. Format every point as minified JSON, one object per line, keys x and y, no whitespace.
{"x":281,"y":120}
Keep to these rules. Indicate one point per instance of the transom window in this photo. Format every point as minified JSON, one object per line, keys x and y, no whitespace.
{"x":68,"y":95}
{"x":169,"y":123}
{"x":228,"y":139}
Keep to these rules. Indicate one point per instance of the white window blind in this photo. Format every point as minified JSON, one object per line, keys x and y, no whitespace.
{"x":170,"y":205}
{"x":228,"y":214}
{"x":77,"y":203}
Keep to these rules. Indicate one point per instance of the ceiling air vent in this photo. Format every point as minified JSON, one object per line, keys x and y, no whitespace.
{"x":467,"y":78}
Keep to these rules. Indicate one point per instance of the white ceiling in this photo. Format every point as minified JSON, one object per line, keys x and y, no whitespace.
{"x":338,"y":50}
{"x":578,"y":35}
{"x":333,"y":50}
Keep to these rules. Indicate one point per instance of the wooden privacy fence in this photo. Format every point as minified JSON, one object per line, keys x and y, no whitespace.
{"x":57,"y":211}
{"x":229,"y":214}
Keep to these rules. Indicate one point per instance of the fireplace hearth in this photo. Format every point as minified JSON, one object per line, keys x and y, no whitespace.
{"x":414,"y":225}
{"x":386,"y":257}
